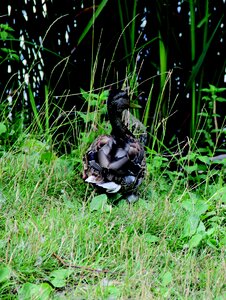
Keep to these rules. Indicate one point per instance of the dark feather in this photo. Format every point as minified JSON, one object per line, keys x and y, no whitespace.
{"x":116,"y":162}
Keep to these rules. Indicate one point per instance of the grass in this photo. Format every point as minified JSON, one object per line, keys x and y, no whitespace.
{"x":59,"y":240}
{"x":54,"y":245}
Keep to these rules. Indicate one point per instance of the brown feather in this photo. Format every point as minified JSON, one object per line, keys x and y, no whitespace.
{"x":117,"y":161}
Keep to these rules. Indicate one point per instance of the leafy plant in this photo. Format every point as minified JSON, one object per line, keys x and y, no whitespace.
{"x":213,"y":128}
{"x":148,"y":250}
{"x":94,"y":117}
{"x":198,"y":62}
{"x":6,"y":33}
{"x":199,"y":224}
{"x":5,"y":273}
{"x":59,"y":277}
{"x":40,"y":291}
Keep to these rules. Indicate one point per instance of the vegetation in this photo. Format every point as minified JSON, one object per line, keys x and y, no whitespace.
{"x":59,"y":239}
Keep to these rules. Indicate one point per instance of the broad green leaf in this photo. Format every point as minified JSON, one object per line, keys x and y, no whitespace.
{"x":4,"y":273}
{"x":167,"y":278}
{"x":191,"y":169}
{"x":15,"y":57}
{"x":201,"y":228}
{"x":33,"y":146}
{"x":211,"y":231}
{"x":188,"y":205}
{"x":6,"y":27}
{"x":195,"y":240}
{"x":195,"y":206}
{"x":104,"y":95}
{"x":213,"y":89}
{"x":190,"y":225}
{"x":88,"y":117}
{"x":99,"y":203}
{"x":203,"y":114}
{"x":85,"y":95}
{"x":212,"y":243}
{"x":113,"y":292}
{"x":59,"y":277}
{"x":220,"y":99}
{"x":151,"y":238}
{"x":200,"y":207}
{"x":7,"y":50}
{"x":3,"y":128}
{"x":204,"y":159}
{"x":190,"y":157}
{"x":30,"y":291}
{"x":3,"y":35}
{"x":48,"y":157}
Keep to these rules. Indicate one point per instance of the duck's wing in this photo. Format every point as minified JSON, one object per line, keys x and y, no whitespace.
{"x":97,"y":157}
{"x":112,"y":164}
{"x":136,"y":166}
{"x":96,"y":164}
{"x":128,"y":165}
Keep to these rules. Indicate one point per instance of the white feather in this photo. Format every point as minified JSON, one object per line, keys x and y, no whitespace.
{"x":93,"y":179}
{"x":111,"y":187}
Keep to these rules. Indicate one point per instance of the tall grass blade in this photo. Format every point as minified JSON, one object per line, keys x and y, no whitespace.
{"x":193,"y":38}
{"x":120,"y":10}
{"x":191,"y":80}
{"x":47,"y":116}
{"x":147,"y":107}
{"x":199,"y":63}
{"x":34,"y":109}
{"x":92,"y":20}
{"x":133,"y":26}
{"x":163,"y":68}
{"x":204,"y":22}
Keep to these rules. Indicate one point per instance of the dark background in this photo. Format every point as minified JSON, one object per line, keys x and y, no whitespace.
{"x":170,"y":18}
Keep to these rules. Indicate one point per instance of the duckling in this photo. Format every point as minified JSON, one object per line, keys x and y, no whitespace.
{"x":116,"y":162}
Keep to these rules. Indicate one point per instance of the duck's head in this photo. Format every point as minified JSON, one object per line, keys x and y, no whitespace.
{"x":118,"y":101}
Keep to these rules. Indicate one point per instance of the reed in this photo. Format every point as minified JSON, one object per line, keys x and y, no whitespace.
{"x":198,"y":62}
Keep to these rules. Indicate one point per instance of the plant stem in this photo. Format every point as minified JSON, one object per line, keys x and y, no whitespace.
{"x":192,"y":36}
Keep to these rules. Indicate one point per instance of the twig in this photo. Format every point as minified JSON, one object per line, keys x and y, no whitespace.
{"x":80,"y":267}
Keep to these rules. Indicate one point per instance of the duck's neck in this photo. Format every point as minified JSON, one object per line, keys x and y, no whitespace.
{"x":119,"y":129}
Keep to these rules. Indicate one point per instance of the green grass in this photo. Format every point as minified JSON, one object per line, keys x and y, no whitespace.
{"x":142,"y":251}
{"x":59,"y":240}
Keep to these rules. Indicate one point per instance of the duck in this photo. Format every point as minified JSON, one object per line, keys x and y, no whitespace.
{"x":116,"y":162}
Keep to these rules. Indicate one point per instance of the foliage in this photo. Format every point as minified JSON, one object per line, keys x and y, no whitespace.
{"x":99,"y":203}
{"x":10,"y":54}
{"x":68,"y":236}
{"x":92,"y":20}
{"x":211,"y":117}
{"x":61,"y":240}
{"x":148,"y":39}
{"x":35,"y":291}
{"x":68,"y":242}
